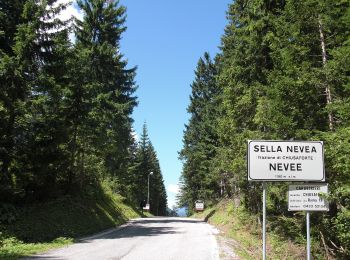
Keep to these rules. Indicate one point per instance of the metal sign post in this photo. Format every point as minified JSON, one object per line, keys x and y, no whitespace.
{"x":264,"y":221}
{"x":308,"y":243}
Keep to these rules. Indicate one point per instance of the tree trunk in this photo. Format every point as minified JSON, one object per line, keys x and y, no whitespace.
{"x":327,"y":87}
{"x":6,"y":178}
{"x":72,"y":163}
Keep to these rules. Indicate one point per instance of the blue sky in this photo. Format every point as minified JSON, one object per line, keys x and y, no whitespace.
{"x":165,"y":39}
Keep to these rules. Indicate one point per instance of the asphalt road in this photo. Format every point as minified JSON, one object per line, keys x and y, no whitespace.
{"x":143,"y":239}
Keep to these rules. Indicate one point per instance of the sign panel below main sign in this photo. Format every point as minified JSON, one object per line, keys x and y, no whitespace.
{"x":285,"y":161}
{"x":306,"y":197}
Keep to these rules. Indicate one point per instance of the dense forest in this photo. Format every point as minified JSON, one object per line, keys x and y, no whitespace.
{"x":66,"y":102}
{"x":282,"y":73}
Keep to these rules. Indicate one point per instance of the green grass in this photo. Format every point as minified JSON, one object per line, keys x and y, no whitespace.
{"x":237,"y":224}
{"x":147,"y":215}
{"x":53,"y":224}
{"x":13,"y":248}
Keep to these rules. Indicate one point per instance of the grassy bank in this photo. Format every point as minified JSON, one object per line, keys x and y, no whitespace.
{"x":53,"y":224}
{"x":245,"y":232}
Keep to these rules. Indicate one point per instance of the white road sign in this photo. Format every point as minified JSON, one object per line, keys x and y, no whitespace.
{"x":199,"y":205}
{"x":306,"y":197}
{"x":285,"y":161}
{"x":146,"y":207}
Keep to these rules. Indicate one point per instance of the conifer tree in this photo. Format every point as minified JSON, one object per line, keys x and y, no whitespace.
{"x":101,"y":95}
{"x":12,"y":94}
{"x":200,"y":136}
{"x":145,"y":162}
{"x":30,"y":51}
{"x":47,"y":155}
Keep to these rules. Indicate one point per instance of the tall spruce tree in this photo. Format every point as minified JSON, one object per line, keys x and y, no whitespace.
{"x":47,"y":157}
{"x":200,"y":136}
{"x":245,"y":65}
{"x":33,"y":42}
{"x":145,"y":162}
{"x":12,"y":94}
{"x":101,"y":96}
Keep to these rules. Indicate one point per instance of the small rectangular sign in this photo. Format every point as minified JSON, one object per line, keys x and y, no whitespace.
{"x":285,"y":161}
{"x":146,"y":207}
{"x":306,"y":197}
{"x":199,"y":205}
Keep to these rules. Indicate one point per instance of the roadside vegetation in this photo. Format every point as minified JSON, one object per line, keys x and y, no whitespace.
{"x":42,"y":226}
{"x":243,"y":233}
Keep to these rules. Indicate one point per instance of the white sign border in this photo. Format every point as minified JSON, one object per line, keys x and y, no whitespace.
{"x":285,"y":180}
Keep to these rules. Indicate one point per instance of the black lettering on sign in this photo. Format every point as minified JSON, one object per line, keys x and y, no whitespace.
{"x":301,"y":149}
{"x":267,"y":148}
{"x":256,"y":148}
{"x":285,"y":167}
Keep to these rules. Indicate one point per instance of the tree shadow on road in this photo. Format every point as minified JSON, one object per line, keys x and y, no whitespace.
{"x":140,"y":228}
{"x":207,"y":217}
{"x":143,"y":227}
{"x":168,"y":220}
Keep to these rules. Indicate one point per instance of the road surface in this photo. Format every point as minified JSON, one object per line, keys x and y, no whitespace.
{"x":143,"y":239}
